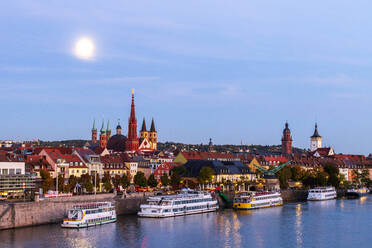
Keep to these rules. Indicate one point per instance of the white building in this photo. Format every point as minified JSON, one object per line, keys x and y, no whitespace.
{"x":11,"y":166}
{"x":315,"y":140}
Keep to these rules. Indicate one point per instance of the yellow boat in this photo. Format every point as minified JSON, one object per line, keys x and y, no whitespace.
{"x":254,"y":200}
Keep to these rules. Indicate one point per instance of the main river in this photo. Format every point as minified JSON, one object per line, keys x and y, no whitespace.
{"x":335,"y":223}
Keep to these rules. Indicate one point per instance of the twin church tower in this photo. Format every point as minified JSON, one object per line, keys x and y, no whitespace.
{"x":147,"y":140}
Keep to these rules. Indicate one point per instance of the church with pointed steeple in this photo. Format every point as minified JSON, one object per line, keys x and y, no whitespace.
{"x":315,"y":140}
{"x":146,"y":141}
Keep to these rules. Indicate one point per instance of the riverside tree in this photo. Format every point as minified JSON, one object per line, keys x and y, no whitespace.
{"x":125,"y":181}
{"x":164,"y":180}
{"x":107,"y":182}
{"x":140,"y":179}
{"x":86,"y":181}
{"x":47,"y":180}
{"x":152,"y":182}
{"x":72,"y":181}
{"x":61,"y":183}
{"x":205,"y":175}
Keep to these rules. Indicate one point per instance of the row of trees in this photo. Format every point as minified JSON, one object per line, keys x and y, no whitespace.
{"x":173,"y":180}
{"x":86,"y":181}
{"x":328,"y":175}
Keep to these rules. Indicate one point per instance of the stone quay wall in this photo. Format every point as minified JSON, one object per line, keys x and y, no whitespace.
{"x":22,"y":214}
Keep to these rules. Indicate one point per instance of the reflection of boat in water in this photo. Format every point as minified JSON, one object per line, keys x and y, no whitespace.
{"x":254,"y":200}
{"x":321,"y":194}
{"x":91,"y":214}
{"x":356,"y":193}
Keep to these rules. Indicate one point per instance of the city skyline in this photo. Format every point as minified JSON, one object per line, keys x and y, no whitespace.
{"x":231,"y":73}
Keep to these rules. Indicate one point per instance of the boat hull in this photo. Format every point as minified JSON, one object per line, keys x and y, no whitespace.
{"x":167,"y":215}
{"x":248,"y":206}
{"x":67,"y":224}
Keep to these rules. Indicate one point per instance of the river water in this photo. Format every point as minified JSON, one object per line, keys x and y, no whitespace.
{"x":335,"y":223}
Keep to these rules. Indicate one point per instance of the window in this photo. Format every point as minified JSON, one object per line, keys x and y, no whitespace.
{"x":83,"y":171}
{"x":18,"y":171}
{"x":77,"y":171}
{"x":11,"y":171}
{"x":5,"y":171}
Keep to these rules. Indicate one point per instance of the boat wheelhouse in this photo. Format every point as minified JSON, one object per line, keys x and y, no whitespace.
{"x":187,"y":202}
{"x":255,"y":200}
{"x":322,"y":194}
{"x":90,"y":214}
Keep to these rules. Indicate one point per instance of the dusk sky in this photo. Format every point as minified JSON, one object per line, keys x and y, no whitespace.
{"x":230,"y":70}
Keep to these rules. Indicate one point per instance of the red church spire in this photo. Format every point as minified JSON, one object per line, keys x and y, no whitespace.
{"x":132,"y":142}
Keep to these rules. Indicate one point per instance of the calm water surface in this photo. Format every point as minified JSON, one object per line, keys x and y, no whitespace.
{"x":336,"y":223}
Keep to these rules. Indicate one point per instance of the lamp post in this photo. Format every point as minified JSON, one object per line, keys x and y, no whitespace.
{"x":95,"y":181}
{"x":57,"y":178}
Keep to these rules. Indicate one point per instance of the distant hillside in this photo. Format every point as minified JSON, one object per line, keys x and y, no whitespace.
{"x":67,"y":143}
{"x":169,"y":146}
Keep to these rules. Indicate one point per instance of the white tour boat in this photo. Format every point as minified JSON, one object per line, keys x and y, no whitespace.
{"x":254,"y":200}
{"x":90,"y":214}
{"x":187,"y":202}
{"x":322,"y":193}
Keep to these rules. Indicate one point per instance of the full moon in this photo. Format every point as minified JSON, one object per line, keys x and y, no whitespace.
{"x":84,"y":48}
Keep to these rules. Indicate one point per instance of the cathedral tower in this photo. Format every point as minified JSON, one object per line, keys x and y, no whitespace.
{"x":210,"y":145}
{"x":132,"y":143}
{"x":94,"y":133}
{"x":153,"y":135}
{"x":286,"y":141}
{"x":108,"y":130}
{"x":315,"y":140}
{"x":144,"y":133}
{"x":118,"y":128}
{"x":102,"y":136}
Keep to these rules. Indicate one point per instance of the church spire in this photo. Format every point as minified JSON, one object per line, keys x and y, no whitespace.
{"x":103,"y":126}
{"x":152,"y":129}
{"x":132,"y":117}
{"x":94,"y":125}
{"x":143,"y":129}
{"x":132,"y":142}
{"x":316,"y":133}
{"x":108,"y":125}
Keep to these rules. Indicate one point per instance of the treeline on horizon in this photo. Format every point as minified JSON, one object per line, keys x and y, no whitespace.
{"x":166,"y":146}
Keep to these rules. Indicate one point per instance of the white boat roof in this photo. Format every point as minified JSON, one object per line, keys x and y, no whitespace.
{"x":188,"y":195}
{"x":92,"y":205}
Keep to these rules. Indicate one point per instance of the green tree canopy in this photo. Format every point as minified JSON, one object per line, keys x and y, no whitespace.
{"x":61,"y":183}
{"x":107,"y":181}
{"x":181,"y":170}
{"x":284,"y":175}
{"x":152,"y":182}
{"x":72,"y":181}
{"x":331,"y":169}
{"x":47,"y":180}
{"x":116,"y":180}
{"x":125,"y":181}
{"x":164,"y":180}
{"x":140,"y":179}
{"x":205,"y":174}
{"x":297,"y":173}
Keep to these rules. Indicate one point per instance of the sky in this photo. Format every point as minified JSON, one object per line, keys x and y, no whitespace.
{"x":233,"y":71}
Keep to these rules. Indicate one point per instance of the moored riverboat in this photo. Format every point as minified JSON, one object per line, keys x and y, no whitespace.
{"x":255,"y":200}
{"x":322,"y":194}
{"x":185,"y":203}
{"x":90,"y":214}
{"x":356,"y":193}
